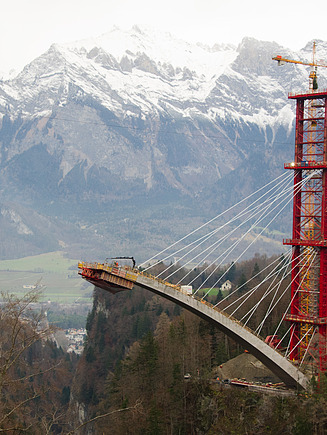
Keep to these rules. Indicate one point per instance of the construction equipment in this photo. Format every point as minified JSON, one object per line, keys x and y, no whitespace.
{"x":123,"y":258}
{"x":313,"y":83}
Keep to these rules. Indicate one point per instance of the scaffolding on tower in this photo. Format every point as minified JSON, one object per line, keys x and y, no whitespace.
{"x":308,"y":308}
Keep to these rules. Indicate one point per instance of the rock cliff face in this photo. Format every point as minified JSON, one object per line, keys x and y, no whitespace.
{"x":125,"y":124}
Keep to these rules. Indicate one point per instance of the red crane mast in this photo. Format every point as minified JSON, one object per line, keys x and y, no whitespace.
{"x":308,"y":308}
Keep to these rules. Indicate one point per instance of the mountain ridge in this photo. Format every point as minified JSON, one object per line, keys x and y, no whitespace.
{"x":85,"y":129}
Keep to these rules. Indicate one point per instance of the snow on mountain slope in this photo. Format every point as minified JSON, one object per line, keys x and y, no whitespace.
{"x":141,"y":103}
{"x":142,"y":71}
{"x":144,"y":118}
{"x":145,"y":70}
{"x":162,"y":48}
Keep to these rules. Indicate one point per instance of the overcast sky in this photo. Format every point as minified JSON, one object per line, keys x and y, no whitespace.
{"x":29,"y":27}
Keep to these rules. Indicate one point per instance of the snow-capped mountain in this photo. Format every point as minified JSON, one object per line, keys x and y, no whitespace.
{"x":140,"y":114}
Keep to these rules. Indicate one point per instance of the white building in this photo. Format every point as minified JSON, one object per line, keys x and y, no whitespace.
{"x":227,"y":286}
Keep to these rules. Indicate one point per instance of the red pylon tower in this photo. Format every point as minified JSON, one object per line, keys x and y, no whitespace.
{"x":308,"y":312}
{"x":308,"y":308}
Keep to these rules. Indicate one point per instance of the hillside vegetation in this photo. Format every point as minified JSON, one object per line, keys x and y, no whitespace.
{"x":149,"y":367}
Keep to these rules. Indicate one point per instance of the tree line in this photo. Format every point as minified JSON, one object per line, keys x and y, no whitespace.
{"x":148,"y":367}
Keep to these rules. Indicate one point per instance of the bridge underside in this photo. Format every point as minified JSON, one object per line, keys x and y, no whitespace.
{"x":124,"y":279}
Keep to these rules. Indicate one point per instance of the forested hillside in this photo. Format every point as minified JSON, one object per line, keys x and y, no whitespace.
{"x":155,"y":395}
{"x":149,"y":368}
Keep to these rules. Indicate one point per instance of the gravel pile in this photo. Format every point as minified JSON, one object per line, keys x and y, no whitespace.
{"x":245,"y":366}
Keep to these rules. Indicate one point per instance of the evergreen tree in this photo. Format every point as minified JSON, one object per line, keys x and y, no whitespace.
{"x":241,"y":285}
{"x":230,"y":275}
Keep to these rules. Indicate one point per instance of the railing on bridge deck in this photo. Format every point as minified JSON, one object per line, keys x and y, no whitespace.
{"x":131,"y":274}
{"x":113,"y":278}
{"x":126,"y":272}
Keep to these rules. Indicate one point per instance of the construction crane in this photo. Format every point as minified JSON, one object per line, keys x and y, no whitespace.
{"x":313,"y":83}
{"x":309,"y":240}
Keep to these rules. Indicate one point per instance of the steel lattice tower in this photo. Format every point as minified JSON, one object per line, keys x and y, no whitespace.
{"x":308,"y":309}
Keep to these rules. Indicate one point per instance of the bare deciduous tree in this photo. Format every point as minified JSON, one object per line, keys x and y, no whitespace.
{"x":25,"y":365}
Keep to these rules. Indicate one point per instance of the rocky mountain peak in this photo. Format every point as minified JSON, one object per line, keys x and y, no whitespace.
{"x":136,"y":114}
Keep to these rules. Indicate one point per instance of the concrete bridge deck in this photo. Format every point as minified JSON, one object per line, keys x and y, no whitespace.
{"x":114,"y":279}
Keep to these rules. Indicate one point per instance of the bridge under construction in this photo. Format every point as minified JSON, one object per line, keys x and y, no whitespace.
{"x":114,"y":278}
{"x":307,"y":310}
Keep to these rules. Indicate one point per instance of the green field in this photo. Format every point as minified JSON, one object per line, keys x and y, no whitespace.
{"x":211,"y":292}
{"x":57,"y":275}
